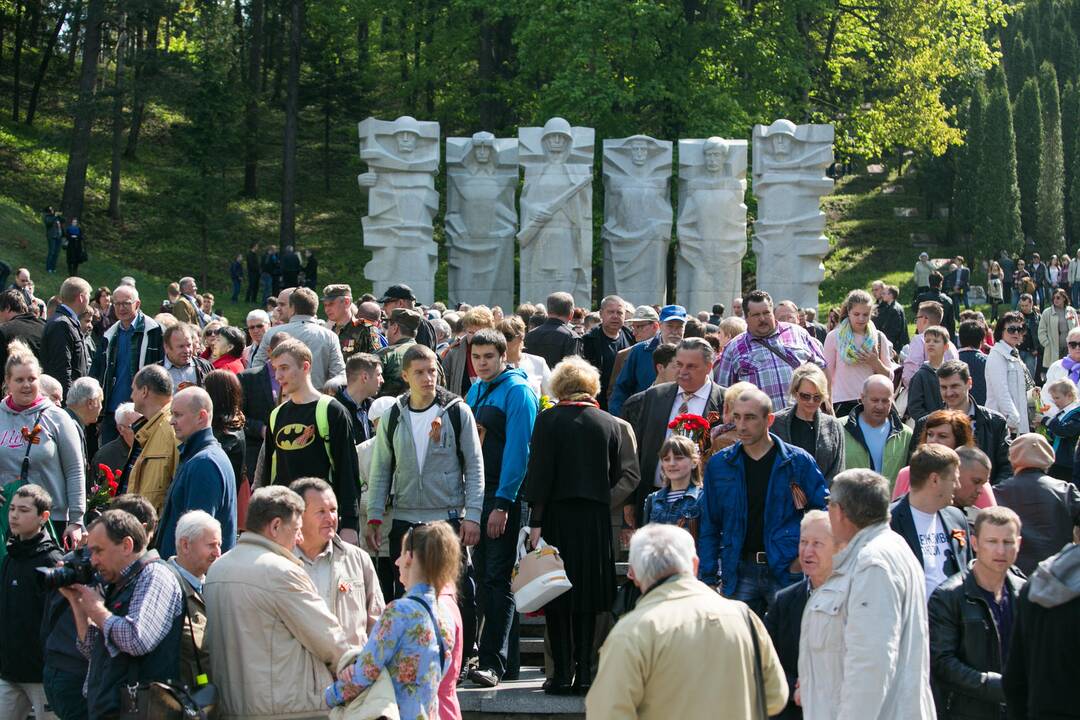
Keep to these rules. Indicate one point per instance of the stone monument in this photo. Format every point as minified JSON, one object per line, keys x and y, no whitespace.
{"x":712,"y":222}
{"x":482,"y":176}
{"x":556,"y":211}
{"x":402,"y":158}
{"x":789,"y":179}
{"x":637,"y":217}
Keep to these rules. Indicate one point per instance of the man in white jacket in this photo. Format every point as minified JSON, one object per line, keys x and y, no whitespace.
{"x":864,"y":647}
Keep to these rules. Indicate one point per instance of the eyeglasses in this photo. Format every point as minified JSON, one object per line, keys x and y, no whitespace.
{"x":256,"y":327}
{"x":210,"y":333}
{"x":809,"y":397}
{"x":1073,"y":345}
{"x":124,"y":303}
{"x":1016,"y":329}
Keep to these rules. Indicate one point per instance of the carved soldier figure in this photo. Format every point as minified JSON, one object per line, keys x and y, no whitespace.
{"x":789,"y":179}
{"x":402,"y":157}
{"x":712,"y":222}
{"x":637,"y":217}
{"x":482,"y":175}
{"x":556,"y":211}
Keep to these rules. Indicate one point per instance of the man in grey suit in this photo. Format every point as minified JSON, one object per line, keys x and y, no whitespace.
{"x":692,"y":392}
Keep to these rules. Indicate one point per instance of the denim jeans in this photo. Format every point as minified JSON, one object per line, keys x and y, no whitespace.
{"x":1031,"y":361}
{"x":54,"y":254}
{"x":63,"y":690}
{"x":235,"y":290}
{"x":757,"y":587}
{"x":267,"y":286}
{"x":494,"y":562}
{"x":1074,"y":291}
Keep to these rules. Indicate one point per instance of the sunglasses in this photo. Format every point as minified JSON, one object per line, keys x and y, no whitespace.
{"x":210,"y":333}
{"x":809,"y":397}
{"x":1016,"y":329}
{"x":1073,"y":345}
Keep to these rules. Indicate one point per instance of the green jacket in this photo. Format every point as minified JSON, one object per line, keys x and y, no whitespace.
{"x":857,"y":454}
{"x":391,"y":356}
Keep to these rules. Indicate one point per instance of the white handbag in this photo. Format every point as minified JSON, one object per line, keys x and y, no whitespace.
{"x":539,"y":576}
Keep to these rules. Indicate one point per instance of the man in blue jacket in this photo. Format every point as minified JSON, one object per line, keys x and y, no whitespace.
{"x":755,"y":494}
{"x":638,"y":372}
{"x":505,"y":408}
{"x":204,"y":478}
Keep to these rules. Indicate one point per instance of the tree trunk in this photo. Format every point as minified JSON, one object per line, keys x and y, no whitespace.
{"x":79,"y":156}
{"x":117,"y":122}
{"x":16,"y":58}
{"x":73,"y":45}
{"x":251,"y":107}
{"x":31,"y":108}
{"x":292,"y":111}
{"x":145,"y":68}
{"x":278,"y":54}
{"x":328,"y":107}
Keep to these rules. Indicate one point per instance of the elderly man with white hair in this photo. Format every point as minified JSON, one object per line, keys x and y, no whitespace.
{"x":662,"y":660}
{"x":257,"y":322}
{"x":198,"y":545}
{"x":84,"y":401}
{"x":204,"y":479}
{"x":114,"y":454}
{"x":864,"y":649}
{"x":131,"y":343}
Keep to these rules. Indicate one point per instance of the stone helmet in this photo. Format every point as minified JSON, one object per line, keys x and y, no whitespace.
{"x":781,"y":127}
{"x":407,"y":123}
{"x":483,"y":138}
{"x":557,"y":126}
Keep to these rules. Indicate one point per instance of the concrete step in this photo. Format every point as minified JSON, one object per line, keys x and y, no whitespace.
{"x":522,"y":699}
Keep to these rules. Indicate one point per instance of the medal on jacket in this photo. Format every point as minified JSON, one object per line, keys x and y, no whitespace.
{"x":436,"y":430}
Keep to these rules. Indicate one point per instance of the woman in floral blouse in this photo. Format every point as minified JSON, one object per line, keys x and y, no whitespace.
{"x":677,"y":502}
{"x":404,"y":640}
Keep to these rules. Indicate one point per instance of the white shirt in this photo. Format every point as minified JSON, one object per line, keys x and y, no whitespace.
{"x":934,"y":542}
{"x":320,"y":570}
{"x":421,"y":430}
{"x":695,"y":406}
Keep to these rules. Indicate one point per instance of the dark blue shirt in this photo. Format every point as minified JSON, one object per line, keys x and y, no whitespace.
{"x":976,"y":362}
{"x":121,"y":391}
{"x":1003,"y":618}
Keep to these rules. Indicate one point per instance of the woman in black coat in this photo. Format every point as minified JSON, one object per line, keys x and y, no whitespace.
{"x":575,"y":459}
{"x":225,"y":393}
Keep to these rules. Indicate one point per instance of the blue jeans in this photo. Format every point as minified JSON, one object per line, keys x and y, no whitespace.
{"x":1031,"y":361}
{"x":494,"y":561}
{"x":1074,"y":291}
{"x":757,"y":587}
{"x":63,"y":690}
{"x":54,"y":254}
{"x":267,"y":286}
{"x":235,"y":290}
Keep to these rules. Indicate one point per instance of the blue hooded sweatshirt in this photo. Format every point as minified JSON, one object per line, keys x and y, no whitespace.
{"x":505,"y":409}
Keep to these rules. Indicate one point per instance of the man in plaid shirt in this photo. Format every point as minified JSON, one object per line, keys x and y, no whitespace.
{"x":133,"y":632}
{"x":768,"y":352}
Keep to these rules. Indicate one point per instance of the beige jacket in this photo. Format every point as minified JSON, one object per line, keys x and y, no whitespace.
{"x":864,"y":650}
{"x":270,"y":636}
{"x":685,"y":652}
{"x":153,"y":471}
{"x":356,"y":598}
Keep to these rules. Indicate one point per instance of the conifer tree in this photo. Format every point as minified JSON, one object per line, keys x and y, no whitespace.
{"x":1050,"y":206}
{"x":965,"y":204}
{"x":997,"y":226}
{"x":1027,"y":119}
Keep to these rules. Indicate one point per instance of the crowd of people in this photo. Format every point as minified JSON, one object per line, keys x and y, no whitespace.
{"x":314,"y":513}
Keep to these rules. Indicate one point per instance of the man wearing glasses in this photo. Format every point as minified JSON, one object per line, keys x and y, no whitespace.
{"x":132,"y":342}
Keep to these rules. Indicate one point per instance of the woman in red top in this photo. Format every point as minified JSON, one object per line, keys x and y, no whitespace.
{"x":228,"y":349}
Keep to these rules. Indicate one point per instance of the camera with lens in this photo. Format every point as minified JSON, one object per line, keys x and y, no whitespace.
{"x":75,"y":570}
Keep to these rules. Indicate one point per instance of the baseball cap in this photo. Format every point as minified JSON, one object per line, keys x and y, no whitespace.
{"x":398,"y":292}
{"x":644,"y":313}
{"x":333,"y":292}
{"x":406,"y":317}
{"x":672,"y":312}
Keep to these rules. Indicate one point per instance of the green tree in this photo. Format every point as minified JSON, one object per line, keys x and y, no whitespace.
{"x":1027,"y":119}
{"x":965,"y":203}
{"x":997,"y":226}
{"x":1070,"y":116}
{"x":1050,"y":207}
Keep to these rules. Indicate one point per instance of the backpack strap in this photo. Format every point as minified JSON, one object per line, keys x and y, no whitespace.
{"x":273,"y":454}
{"x":391,"y":423}
{"x":322,"y":424}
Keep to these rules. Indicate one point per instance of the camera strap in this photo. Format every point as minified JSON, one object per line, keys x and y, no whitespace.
{"x":24,"y":471}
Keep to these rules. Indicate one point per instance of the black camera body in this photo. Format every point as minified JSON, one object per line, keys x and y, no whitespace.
{"x":76,"y":570}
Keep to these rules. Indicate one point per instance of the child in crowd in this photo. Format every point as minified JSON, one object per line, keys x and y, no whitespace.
{"x":22,"y":603}
{"x":1064,"y":427}
{"x":924,"y":393}
{"x":676,"y":503}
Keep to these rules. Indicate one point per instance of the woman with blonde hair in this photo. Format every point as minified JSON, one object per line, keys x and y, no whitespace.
{"x":414,"y":639}
{"x":995,"y":288}
{"x":40,"y":444}
{"x":808,"y":422}
{"x":676,"y":503}
{"x":855,"y":350}
{"x":576,"y":457}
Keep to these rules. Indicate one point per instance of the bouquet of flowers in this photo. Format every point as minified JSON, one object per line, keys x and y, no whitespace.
{"x":104,"y":489}
{"x":694,"y":427}
{"x":546,"y":403}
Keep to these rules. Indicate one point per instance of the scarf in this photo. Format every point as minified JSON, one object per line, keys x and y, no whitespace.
{"x":1072,"y":367}
{"x":847,"y":347}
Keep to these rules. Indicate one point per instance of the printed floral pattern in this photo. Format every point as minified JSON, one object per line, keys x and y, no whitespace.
{"x":404,"y":643}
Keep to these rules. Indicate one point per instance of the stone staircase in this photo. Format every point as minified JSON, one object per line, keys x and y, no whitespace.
{"x":524,"y":699}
